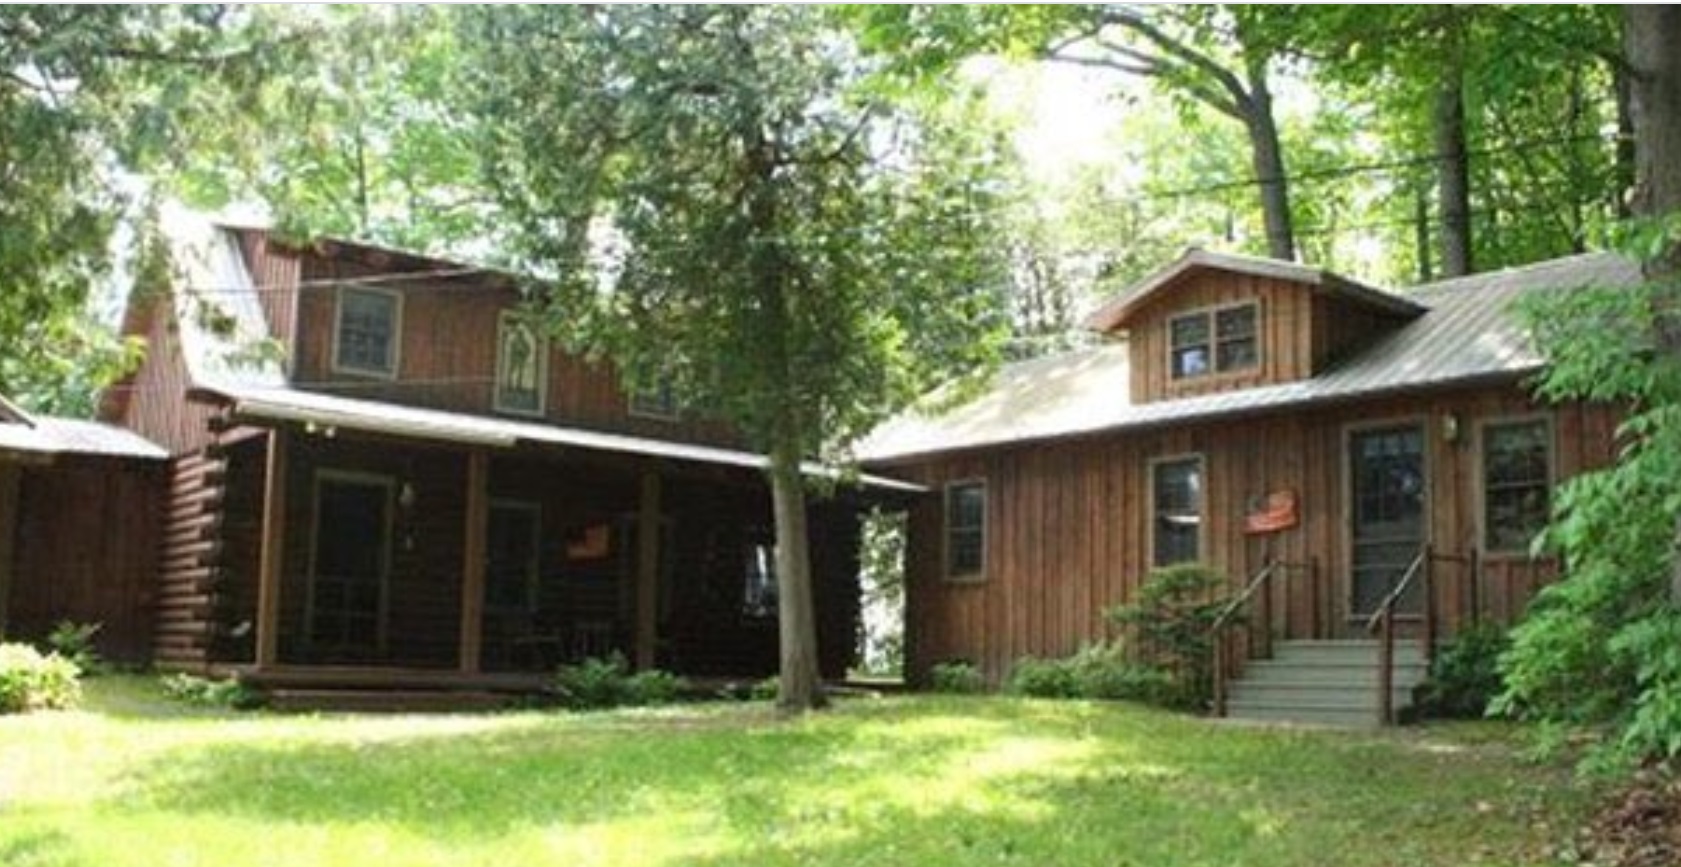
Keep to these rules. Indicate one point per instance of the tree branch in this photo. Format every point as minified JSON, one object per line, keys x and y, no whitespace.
{"x":1224,"y":78}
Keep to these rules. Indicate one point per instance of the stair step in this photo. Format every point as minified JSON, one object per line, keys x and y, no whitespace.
{"x":1350,"y":674}
{"x":384,"y":701}
{"x":1345,"y":715}
{"x":1315,"y":693}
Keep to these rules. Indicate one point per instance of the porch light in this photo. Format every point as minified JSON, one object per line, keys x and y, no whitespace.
{"x":406,"y":496}
{"x":1450,"y":427}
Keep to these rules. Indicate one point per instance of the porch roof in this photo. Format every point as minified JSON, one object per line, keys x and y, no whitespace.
{"x":270,"y":404}
{"x":47,"y":436}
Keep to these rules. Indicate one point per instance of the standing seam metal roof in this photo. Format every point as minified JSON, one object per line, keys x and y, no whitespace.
{"x":1468,"y":333}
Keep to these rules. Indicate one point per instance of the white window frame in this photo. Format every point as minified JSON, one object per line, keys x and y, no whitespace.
{"x":505,"y":320}
{"x":396,"y":333}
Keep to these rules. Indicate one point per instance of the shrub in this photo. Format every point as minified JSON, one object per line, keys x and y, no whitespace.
{"x":1169,"y":629}
{"x":604,"y":682}
{"x":209,"y":692}
{"x":74,"y":641}
{"x":1465,"y":675}
{"x":30,"y":680}
{"x":956,"y":676}
{"x":1043,"y":678}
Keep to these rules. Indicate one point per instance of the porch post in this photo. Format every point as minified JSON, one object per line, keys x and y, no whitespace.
{"x":9,"y":517}
{"x":270,"y":564}
{"x":473,"y":564}
{"x":647,"y":569}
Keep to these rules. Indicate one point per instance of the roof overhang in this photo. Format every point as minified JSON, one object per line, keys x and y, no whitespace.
{"x":1118,"y":310}
{"x":263,"y":406}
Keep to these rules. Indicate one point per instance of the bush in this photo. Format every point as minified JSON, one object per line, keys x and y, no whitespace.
{"x":30,"y":680}
{"x":74,"y":641}
{"x":208,"y":692}
{"x":1169,"y":631}
{"x":956,"y":676}
{"x":1043,"y":678}
{"x":1465,"y":675}
{"x":604,"y":682}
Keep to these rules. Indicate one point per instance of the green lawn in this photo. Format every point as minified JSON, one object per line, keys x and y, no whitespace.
{"x":136,"y":781}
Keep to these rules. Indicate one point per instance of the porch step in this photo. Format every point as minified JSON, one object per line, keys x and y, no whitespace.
{"x":385,"y":700}
{"x":1324,"y":682}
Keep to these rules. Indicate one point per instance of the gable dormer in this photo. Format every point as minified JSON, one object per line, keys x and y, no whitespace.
{"x":1213,"y":322}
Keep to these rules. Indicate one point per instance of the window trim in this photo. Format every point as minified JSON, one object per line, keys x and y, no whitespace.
{"x":1211,"y":313}
{"x":338,"y":367}
{"x":503,"y":319}
{"x":533,"y":578}
{"x":330,"y":475}
{"x":978,"y":575}
{"x":633,"y":396}
{"x":1150,"y":466}
{"x":1481,"y":470}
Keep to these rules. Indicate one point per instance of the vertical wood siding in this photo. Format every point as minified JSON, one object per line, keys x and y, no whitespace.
{"x":88,"y":532}
{"x":155,"y":405}
{"x":1068,"y":524}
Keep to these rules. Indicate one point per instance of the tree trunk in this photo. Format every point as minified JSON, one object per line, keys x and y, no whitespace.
{"x":1624,"y":171}
{"x":799,"y":688}
{"x":1267,"y":157}
{"x":1421,"y":235}
{"x":1453,"y":174}
{"x":1652,"y":46}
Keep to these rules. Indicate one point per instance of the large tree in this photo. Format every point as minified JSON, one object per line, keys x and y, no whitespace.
{"x":719,"y":202}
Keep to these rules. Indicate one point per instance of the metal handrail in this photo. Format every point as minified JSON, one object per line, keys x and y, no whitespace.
{"x":1384,"y":619}
{"x":1386,"y":608}
{"x":1216,"y":631}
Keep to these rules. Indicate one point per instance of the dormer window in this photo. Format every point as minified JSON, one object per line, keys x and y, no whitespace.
{"x":365,"y":332}
{"x":1216,"y":340}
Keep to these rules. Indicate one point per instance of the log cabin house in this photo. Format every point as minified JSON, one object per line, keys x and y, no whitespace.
{"x":383,"y":476}
{"x":78,"y":528}
{"x":1351,"y":459}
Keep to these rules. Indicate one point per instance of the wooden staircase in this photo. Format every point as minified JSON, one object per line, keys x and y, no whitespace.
{"x":1324,"y":683}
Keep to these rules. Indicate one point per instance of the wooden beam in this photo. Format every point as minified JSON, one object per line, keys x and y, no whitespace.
{"x":647,"y":569}
{"x":473,"y":563}
{"x":272,"y":562}
{"x":9,"y":519}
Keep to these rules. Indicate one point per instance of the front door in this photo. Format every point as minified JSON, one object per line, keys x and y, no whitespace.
{"x":348,"y":573}
{"x":1388,"y":509}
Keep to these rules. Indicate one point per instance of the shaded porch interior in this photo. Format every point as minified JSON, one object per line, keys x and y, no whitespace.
{"x":352,"y":559}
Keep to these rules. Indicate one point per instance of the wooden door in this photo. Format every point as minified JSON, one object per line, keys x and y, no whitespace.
{"x":1388,"y":507}
{"x":347,"y":604}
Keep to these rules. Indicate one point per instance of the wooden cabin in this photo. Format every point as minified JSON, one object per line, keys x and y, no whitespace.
{"x":79,"y":527}
{"x":383,"y":474}
{"x":1319,"y":442}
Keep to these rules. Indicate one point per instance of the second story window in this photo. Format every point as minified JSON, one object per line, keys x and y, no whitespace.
{"x":1221,"y":340}
{"x":522,"y":365}
{"x":365,"y":333}
{"x":656,"y":401}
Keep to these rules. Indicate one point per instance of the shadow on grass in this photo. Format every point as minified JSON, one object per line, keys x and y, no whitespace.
{"x":896,"y":783}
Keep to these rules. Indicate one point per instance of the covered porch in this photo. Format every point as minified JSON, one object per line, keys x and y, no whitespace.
{"x":360,"y":557}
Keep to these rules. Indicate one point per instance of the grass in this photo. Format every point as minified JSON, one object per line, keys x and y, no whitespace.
{"x":137,"y":781}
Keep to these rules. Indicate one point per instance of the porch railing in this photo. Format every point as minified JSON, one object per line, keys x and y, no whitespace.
{"x":1257,"y":592}
{"x":1382,"y":622}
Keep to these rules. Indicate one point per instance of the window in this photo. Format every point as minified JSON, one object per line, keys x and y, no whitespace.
{"x":1176,"y":498}
{"x":365,"y":338}
{"x":1517,"y":481}
{"x":657,"y":401}
{"x":965,"y":530}
{"x":1221,"y":340}
{"x":522,"y":365}
{"x":759,"y":597}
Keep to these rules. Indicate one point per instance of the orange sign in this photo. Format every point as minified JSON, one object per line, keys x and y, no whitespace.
{"x":1274,"y":512}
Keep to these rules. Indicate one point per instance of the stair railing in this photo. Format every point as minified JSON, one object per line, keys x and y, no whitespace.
{"x":1382,"y":622}
{"x":1227,"y":617}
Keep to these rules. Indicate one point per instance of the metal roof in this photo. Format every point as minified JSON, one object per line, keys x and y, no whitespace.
{"x":255,"y":403}
{"x":1116,"y":311}
{"x":45,"y":435}
{"x":1467,"y":334}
